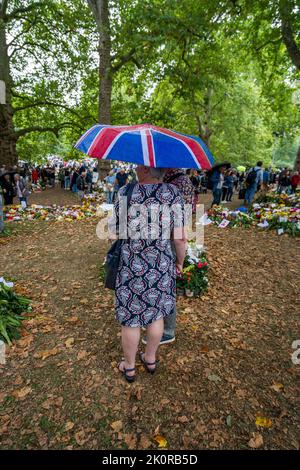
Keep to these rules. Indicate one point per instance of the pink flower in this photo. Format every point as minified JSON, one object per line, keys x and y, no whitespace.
{"x":199,"y":265}
{"x":205,"y":264}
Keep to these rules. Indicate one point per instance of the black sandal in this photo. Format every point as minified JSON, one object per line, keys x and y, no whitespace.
{"x":129,"y":378}
{"x":147,"y":364}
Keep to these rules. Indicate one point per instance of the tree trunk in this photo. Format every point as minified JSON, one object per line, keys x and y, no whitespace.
{"x":285,"y":10}
{"x":297,"y":160}
{"x":100,"y":11}
{"x":8,"y":153}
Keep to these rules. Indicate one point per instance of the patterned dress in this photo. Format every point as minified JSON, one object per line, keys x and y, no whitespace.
{"x":146,"y":282}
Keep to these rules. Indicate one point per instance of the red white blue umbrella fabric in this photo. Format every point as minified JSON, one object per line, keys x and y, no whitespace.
{"x":147,"y":145}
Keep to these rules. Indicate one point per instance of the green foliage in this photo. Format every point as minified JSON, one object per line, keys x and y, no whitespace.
{"x":11,"y":308}
{"x":216,"y":69}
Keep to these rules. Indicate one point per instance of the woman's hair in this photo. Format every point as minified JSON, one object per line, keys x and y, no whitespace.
{"x":158,"y":173}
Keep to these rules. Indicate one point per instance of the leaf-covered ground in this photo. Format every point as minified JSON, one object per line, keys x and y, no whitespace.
{"x":230,"y":364}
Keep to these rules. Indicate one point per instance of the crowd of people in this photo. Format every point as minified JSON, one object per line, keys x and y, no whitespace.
{"x":81,"y":179}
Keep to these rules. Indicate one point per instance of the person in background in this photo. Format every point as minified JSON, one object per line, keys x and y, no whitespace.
{"x":217,"y":180}
{"x":109,"y":181}
{"x":284,"y":181}
{"x":95,"y":177}
{"x":67,"y":178}
{"x":228,"y":183}
{"x":81,"y":184}
{"x":89,"y":180}
{"x":295,"y":180}
{"x":235,"y":180}
{"x":121,"y":179}
{"x":75,"y":175}
{"x":253,"y":179}
{"x":7,"y":189}
{"x":34,"y":175}
{"x":182,"y":181}
{"x":61,"y":177}
{"x":194,"y":177}
{"x":21,"y":189}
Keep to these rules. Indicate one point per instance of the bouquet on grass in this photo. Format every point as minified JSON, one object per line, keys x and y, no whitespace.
{"x":193,"y":280}
{"x":12,"y":306}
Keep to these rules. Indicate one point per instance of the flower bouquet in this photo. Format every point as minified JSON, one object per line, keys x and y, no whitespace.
{"x":193,"y":280}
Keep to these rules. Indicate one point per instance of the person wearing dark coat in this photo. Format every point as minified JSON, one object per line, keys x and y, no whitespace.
{"x":7,"y":189}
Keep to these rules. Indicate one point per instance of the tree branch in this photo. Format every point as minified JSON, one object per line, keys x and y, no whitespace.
{"x":55,"y":130}
{"x":15,"y":14}
{"x":3,"y":8}
{"x":49,"y":103}
{"x":123,"y":60}
{"x":287,"y":33}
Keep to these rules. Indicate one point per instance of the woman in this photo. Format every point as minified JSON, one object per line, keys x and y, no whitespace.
{"x":228,"y":183}
{"x":146,"y":281}
{"x":21,"y":189}
{"x":7,"y":188}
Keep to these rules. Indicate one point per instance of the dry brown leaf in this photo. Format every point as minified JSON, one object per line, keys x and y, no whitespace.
{"x":84,"y":301}
{"x":183,"y":419}
{"x":117,"y":426}
{"x":81,"y":355}
{"x":69,"y":425}
{"x":145,"y":443}
{"x":80,"y":438}
{"x":69,"y":342}
{"x":130,"y":440}
{"x":22,"y":393}
{"x":256,"y":441}
{"x":278,"y":387}
{"x":46,"y":353}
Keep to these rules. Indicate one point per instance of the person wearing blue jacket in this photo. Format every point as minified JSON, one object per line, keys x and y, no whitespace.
{"x":217,"y":180}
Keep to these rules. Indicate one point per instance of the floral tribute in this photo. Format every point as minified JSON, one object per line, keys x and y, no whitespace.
{"x":193,"y":280}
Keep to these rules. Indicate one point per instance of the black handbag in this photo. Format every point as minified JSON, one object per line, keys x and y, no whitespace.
{"x":114,"y":253}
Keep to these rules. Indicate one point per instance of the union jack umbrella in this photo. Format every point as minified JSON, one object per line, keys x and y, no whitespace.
{"x":147,"y":145}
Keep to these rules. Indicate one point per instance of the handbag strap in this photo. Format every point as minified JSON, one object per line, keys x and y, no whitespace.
{"x":128,"y":194}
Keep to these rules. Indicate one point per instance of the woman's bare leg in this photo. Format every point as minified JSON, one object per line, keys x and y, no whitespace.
{"x":154,"y":334}
{"x":130,"y":343}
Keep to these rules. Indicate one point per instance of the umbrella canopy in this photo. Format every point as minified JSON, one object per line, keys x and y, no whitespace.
{"x":147,"y":145}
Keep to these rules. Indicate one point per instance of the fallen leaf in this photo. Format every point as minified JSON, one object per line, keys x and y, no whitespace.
{"x":277,"y":387}
{"x":69,"y":342}
{"x":183,"y":419}
{"x":69,"y":425}
{"x":117,"y":426}
{"x":130,"y":440}
{"x":81,"y":355}
{"x":214,"y":378}
{"x":84,"y":301}
{"x":145,"y":443}
{"x":45,"y":354}
{"x":229,"y":421}
{"x":80,"y":438}
{"x":256,"y":441}
{"x":66,"y":298}
{"x":22,"y":393}
{"x":263,"y":422}
{"x":161,"y":441}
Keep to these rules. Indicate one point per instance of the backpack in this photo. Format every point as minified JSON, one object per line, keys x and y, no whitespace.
{"x":251,"y":177}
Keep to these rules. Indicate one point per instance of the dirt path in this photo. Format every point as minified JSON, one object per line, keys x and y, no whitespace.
{"x":230,"y":363}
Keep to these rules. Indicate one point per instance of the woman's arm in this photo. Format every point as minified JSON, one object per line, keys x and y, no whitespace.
{"x":180,"y":244}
